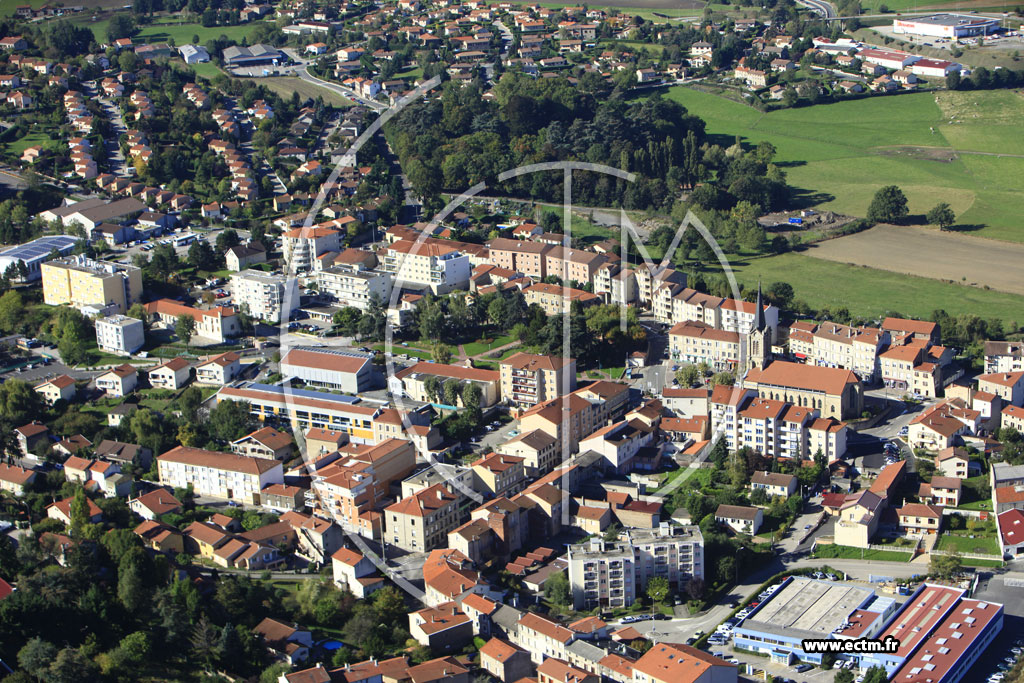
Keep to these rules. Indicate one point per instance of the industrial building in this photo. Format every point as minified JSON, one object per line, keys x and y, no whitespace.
{"x":946,"y":25}
{"x":936,"y":636}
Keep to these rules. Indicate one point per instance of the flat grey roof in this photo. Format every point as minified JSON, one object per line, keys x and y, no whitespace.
{"x":951,"y":19}
{"x":808,"y":606}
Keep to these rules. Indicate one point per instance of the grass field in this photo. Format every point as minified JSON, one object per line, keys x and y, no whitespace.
{"x":961,"y":542}
{"x":286,"y":85}
{"x":163,"y":31}
{"x":850,"y":553}
{"x":935,"y":146}
{"x":869,"y":292}
{"x":633,"y":45}
{"x":19,"y":146}
{"x":206,"y":70}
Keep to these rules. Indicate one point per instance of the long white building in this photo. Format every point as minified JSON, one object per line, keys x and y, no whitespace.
{"x":220,"y":475}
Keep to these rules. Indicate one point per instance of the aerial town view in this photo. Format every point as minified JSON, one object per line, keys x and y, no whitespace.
{"x":511,"y":341}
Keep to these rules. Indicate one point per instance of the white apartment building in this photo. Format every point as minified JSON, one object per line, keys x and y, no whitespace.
{"x":220,"y":475}
{"x":774,"y":428}
{"x":612,"y":573}
{"x":301,"y":246}
{"x":435,"y":266}
{"x":1004,"y":356}
{"x":673,"y":303}
{"x":615,"y":284}
{"x":353,"y":286}
{"x":839,"y":346}
{"x":120,"y":334}
{"x":267,"y":297}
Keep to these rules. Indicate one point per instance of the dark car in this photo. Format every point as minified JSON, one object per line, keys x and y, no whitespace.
{"x":661,"y":617}
{"x":802,"y":668}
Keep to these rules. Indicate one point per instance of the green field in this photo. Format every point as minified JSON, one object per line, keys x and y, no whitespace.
{"x":850,"y":553}
{"x":18,"y":147}
{"x":961,"y":542}
{"x":633,"y":45}
{"x":839,"y":154}
{"x":163,"y":31}
{"x":869,"y":292}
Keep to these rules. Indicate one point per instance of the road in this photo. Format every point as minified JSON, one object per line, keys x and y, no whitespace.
{"x":825,"y":9}
{"x":303,"y":73}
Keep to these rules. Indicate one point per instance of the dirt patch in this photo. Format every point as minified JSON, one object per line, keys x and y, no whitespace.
{"x":940,"y":154}
{"x":928,"y":252}
{"x":823,"y":223}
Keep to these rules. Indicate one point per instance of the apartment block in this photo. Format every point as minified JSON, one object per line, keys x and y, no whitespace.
{"x":120,"y":334}
{"x":696,"y":342}
{"x":353,"y":286}
{"x":422,"y":521}
{"x":1004,"y":356}
{"x":353,"y":489}
{"x":266,"y":296}
{"x":92,"y":286}
{"x":612,"y":573}
{"x":839,"y":346}
{"x":301,"y":246}
{"x":438,"y":267}
{"x":219,"y":475}
{"x":527,"y":379}
{"x":557,"y":300}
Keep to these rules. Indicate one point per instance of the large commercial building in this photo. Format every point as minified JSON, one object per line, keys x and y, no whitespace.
{"x":34,"y":253}
{"x":935,"y":636}
{"x":220,"y":475}
{"x":946,"y":25}
{"x":94,"y":287}
{"x":267,"y":297}
{"x":337,"y":369}
{"x":254,"y":55}
{"x":612,"y":573}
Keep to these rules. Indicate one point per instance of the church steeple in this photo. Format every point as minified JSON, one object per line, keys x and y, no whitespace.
{"x":759,"y":321}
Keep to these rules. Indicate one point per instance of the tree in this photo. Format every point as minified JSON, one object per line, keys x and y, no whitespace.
{"x":185,"y":328}
{"x":695,"y":588}
{"x":12,"y":308}
{"x":189,"y":401}
{"x":658,"y":589}
{"x":19,"y":403}
{"x":229,"y":420}
{"x":688,"y":375}
{"x":556,"y":589}
{"x":889,"y":205}
{"x":843,"y":676}
{"x":726,"y":379}
{"x":876,"y":674}
{"x":72,"y":666}
{"x":120,"y":26}
{"x":36,"y":656}
{"x":79,"y":513}
{"x":441,"y":353}
{"x":941,"y":215}
{"x":945,"y":566}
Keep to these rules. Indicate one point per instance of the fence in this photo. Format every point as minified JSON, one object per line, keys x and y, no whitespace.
{"x":969,"y":556}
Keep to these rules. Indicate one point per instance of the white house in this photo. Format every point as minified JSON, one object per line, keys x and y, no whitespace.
{"x":119,"y":381}
{"x":219,"y":370}
{"x":172,"y":375}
